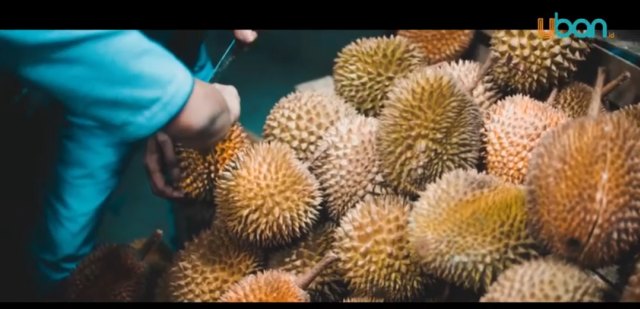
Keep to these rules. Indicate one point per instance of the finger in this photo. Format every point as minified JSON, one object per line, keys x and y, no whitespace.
{"x":153,"y":166}
{"x":169,"y":155}
{"x":245,"y":36}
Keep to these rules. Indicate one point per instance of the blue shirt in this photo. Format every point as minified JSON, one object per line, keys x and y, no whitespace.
{"x":117,"y":88}
{"x":123,"y":81}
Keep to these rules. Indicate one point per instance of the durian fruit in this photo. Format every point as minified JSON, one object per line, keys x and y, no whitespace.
{"x":528,"y":64}
{"x":363,"y":300}
{"x":470,"y":76}
{"x":632,"y":111}
{"x":375,"y":258}
{"x":514,"y":127}
{"x":276,"y":285}
{"x":266,"y":197}
{"x":439,"y":45}
{"x":116,"y":273}
{"x":429,"y":126}
{"x":583,"y":188}
{"x":545,"y":280}
{"x":300,"y":258}
{"x":467,"y":227}
{"x":110,"y":273}
{"x":301,"y":119}
{"x":365,"y":69}
{"x":199,"y":170}
{"x":235,"y":141}
{"x":575,"y":98}
{"x":631,"y":291}
{"x":207,"y":267}
{"x":347,"y":166}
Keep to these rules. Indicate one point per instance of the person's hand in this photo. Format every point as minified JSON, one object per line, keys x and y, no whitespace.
{"x":245,"y":36}
{"x":205,"y":119}
{"x":207,"y":116}
{"x":160,"y":157}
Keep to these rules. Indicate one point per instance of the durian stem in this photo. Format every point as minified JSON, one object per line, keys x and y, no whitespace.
{"x":612,"y":85}
{"x":483,"y":71}
{"x":596,"y":100}
{"x":151,"y":243}
{"x":304,"y":280}
{"x":552,"y":96}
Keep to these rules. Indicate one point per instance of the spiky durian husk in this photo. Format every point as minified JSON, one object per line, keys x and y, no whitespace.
{"x":429,"y":126}
{"x":439,"y":45}
{"x":466,"y":72}
{"x":208,"y":266}
{"x":365,"y":69}
{"x":304,"y":255}
{"x":197,"y":173}
{"x":574,"y":99}
{"x":301,"y":119}
{"x":199,"y":169}
{"x":514,"y":127}
{"x":545,"y":280}
{"x":347,"y":166}
{"x":528,"y":64}
{"x":373,"y":250}
{"x":267,"y":197}
{"x":267,"y":286}
{"x":467,"y":228}
{"x":110,"y":273}
{"x":225,"y":150}
{"x":631,"y":111}
{"x":583,"y":190}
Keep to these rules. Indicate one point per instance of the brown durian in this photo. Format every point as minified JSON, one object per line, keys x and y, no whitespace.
{"x":583,"y":188}
{"x":365,"y":69}
{"x":430,"y":126}
{"x":266,"y":197}
{"x":207,"y":267}
{"x":439,"y":45}
{"x":276,"y":285}
{"x":301,"y":119}
{"x":528,"y":64}
{"x":199,"y":169}
{"x":117,"y":273}
{"x":375,"y":258}
{"x":470,"y":75}
{"x":300,"y":258}
{"x":545,"y":280}
{"x":347,"y":166}
{"x":466,"y":228}
{"x":514,"y":127}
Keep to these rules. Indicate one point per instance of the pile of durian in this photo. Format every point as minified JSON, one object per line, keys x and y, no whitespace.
{"x":425,"y":178}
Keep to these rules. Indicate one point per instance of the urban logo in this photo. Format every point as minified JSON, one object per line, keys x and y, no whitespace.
{"x":572,"y":28}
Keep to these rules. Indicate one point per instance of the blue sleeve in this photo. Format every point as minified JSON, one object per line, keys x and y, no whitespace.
{"x":119,"y":81}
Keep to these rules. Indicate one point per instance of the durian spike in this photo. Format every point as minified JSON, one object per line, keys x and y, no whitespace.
{"x":612,"y":85}
{"x":483,"y":71}
{"x":303,"y":281}
{"x":151,"y":243}
{"x":596,"y":100}
{"x":552,"y":96}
